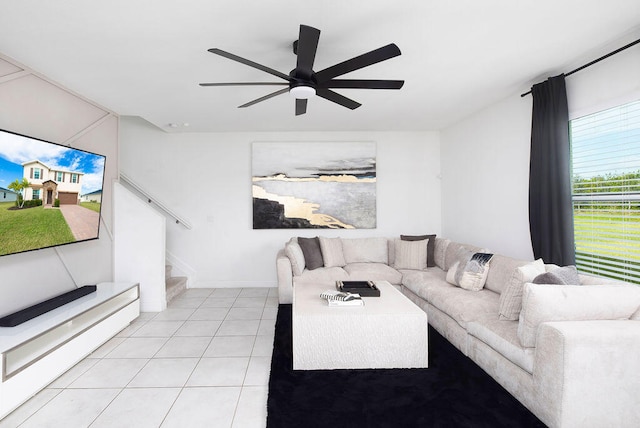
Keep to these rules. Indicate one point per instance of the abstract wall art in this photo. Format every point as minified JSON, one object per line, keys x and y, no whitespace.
{"x":302,"y":185}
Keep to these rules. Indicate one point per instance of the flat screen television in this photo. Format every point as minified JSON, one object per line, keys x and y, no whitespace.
{"x":50,"y":194}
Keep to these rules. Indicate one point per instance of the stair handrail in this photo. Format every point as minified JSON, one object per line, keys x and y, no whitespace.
{"x":152,"y":199}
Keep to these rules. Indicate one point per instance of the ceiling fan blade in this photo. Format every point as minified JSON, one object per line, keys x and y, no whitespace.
{"x":361,"y":61}
{"x":363,"y":84}
{"x":328,"y":94}
{"x":301,"y":106}
{"x":246,"y":84}
{"x":307,"y":47}
{"x":249,"y":63}
{"x":266,"y":97}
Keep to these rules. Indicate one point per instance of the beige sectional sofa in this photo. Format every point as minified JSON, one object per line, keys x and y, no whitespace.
{"x":571,"y":356}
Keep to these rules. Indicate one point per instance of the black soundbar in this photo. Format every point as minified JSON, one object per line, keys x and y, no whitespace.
{"x":38,"y":309}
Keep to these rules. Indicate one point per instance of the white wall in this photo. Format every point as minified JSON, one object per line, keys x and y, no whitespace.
{"x":139,"y":248}
{"x":485,"y":175}
{"x":206,"y":178}
{"x":485,"y":158}
{"x":32,"y":105}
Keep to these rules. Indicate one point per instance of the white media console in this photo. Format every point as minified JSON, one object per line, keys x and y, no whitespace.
{"x":38,"y":351}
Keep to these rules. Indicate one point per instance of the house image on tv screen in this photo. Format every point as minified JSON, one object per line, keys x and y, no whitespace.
{"x":95,"y":196}
{"x":49,"y":184}
{"x":7,"y":195}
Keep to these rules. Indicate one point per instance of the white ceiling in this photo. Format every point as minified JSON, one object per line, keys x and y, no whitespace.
{"x":146,"y":57}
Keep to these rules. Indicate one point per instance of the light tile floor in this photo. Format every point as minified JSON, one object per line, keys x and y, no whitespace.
{"x":204,"y":362}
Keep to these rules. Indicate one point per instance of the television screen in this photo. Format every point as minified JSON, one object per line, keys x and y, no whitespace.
{"x":50,"y":194}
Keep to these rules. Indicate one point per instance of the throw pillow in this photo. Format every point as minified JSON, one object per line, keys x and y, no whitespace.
{"x":470,"y":270}
{"x":332,"y":253}
{"x":511,"y":297}
{"x":312,"y":253}
{"x":475,"y":272}
{"x":567,"y":275}
{"x":431,"y":246}
{"x":411,"y":254}
{"x":552,"y":302}
{"x":451,"y":273}
{"x":296,"y":256}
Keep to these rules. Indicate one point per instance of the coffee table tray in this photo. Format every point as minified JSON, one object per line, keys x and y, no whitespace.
{"x":363,"y":288}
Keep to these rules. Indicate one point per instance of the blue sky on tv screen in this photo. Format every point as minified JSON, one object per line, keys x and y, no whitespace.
{"x":16,"y":150}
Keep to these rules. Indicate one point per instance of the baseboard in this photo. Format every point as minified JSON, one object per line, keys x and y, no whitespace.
{"x":234,"y":284}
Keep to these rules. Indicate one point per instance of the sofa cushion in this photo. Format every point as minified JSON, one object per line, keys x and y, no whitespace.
{"x":567,"y":275}
{"x":502,"y":336}
{"x":411,"y":254}
{"x":294,"y":253}
{"x":461,"y":305}
{"x":391,"y":251}
{"x":373,"y":272}
{"x":421,"y":282}
{"x":325,"y":275}
{"x":363,"y":250}
{"x":431,"y":246}
{"x":312,"y":253}
{"x":502,"y":268}
{"x":440,"y":252}
{"x":332,"y":253}
{"x":451,"y":254}
{"x":547,"y":302}
{"x":511,"y":297}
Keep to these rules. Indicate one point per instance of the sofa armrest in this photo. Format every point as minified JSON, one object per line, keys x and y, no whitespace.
{"x":285,"y":278}
{"x":588,"y":373}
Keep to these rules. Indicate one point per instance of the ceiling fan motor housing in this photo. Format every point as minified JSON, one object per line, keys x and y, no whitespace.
{"x":302,"y":84}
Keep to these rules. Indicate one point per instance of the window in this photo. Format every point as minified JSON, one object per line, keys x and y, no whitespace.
{"x":36,"y":194}
{"x":36,"y":173}
{"x":74,"y":178}
{"x":605,"y":150}
{"x":59,"y":176}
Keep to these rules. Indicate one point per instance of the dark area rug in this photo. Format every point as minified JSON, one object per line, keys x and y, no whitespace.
{"x":452,"y":392}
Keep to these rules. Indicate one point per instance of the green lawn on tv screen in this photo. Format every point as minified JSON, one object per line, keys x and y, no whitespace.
{"x":31,"y":228}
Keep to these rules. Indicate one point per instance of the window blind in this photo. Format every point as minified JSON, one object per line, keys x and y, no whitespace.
{"x":605,"y":150}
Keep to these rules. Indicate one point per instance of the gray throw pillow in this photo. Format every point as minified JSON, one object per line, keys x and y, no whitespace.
{"x":431,"y":246}
{"x":312,"y":253}
{"x":567,"y":275}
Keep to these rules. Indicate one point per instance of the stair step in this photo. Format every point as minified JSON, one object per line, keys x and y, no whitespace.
{"x":175,"y":286}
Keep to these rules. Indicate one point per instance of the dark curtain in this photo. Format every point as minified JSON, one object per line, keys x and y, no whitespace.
{"x":550,"y":210}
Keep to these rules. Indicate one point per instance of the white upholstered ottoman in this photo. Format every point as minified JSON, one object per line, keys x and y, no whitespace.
{"x":387,"y":332}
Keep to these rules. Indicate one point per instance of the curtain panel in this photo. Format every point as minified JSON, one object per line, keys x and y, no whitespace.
{"x":550,"y":209}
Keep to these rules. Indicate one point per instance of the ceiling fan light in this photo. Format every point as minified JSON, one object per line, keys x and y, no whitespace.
{"x":302,"y":92}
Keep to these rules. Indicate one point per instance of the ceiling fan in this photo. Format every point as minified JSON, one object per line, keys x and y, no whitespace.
{"x":303,"y":83}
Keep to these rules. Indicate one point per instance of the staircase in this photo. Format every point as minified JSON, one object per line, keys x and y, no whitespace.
{"x":176,"y":285}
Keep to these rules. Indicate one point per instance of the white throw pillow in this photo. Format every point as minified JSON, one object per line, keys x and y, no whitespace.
{"x":451,"y":273}
{"x":549,"y":302}
{"x":332,"y":252}
{"x":365,"y":250}
{"x":475,"y":272}
{"x":470,"y":270}
{"x":410,"y":254}
{"x":293,"y":250}
{"x":511,"y":297}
